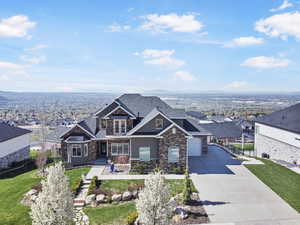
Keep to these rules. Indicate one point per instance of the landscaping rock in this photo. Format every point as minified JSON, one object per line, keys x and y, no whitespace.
{"x":135,"y":194}
{"x":100,"y":198}
{"x":94,"y":204}
{"x":90,"y":198}
{"x":182,"y":212}
{"x":116,"y":197}
{"x":32,"y":192}
{"x":127,"y":195}
{"x":26,"y":201}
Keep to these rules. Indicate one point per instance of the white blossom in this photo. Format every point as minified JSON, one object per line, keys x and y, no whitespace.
{"x":153,"y":205}
{"x":54,"y":205}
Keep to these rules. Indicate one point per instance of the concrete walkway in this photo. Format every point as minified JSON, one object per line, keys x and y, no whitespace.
{"x":95,"y":171}
{"x":232,"y":194}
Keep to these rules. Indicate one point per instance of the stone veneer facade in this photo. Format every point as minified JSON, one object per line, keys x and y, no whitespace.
{"x":169,"y":140}
{"x":17,"y":156}
{"x":276,"y":149}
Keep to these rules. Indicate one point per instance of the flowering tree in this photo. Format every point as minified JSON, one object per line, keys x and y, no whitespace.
{"x":153,"y":205}
{"x":54,"y":205}
{"x":41,"y":161}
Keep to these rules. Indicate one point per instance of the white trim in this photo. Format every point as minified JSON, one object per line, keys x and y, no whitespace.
{"x":100,"y":110}
{"x":174,"y":124}
{"x":77,"y":142}
{"x":119,"y":107}
{"x":80,"y":128}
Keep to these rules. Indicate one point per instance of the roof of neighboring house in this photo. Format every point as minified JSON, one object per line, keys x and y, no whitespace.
{"x":287,"y":119}
{"x":219,"y":119}
{"x":54,"y":136}
{"x":196,"y":115}
{"x":224,"y":129}
{"x":8,"y":132}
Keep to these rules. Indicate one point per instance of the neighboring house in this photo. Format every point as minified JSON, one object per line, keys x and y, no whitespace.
{"x":219,"y":119}
{"x":14,"y":144}
{"x":278,"y":135}
{"x":53,"y":141}
{"x":135,"y":129}
{"x":225,"y":132}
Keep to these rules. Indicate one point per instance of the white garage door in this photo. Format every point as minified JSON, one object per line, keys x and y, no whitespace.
{"x":194,"y":146}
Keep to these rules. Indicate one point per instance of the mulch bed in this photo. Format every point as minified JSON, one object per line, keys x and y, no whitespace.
{"x":197,"y":214}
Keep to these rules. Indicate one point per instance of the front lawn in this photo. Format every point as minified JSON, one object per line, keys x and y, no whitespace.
{"x":119,"y":186}
{"x":111,"y":214}
{"x":281,"y":180}
{"x":247,"y":147}
{"x":12,"y":191}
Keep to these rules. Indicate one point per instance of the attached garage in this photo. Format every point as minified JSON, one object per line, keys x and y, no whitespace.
{"x":194,"y":146}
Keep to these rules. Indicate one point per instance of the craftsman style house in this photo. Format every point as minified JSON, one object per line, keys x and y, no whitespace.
{"x":135,"y":129}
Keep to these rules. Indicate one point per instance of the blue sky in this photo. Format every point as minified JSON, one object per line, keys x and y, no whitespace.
{"x":137,"y":46}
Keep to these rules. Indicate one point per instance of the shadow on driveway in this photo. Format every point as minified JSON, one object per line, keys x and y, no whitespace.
{"x":214,"y":162}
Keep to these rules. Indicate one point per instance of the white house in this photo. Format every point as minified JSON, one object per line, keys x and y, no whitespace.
{"x":278,"y":135}
{"x":14,"y":144}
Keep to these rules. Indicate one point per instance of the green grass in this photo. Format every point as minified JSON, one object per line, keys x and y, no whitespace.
{"x":112,"y":214}
{"x":75,"y":176}
{"x":119,"y":186}
{"x":281,"y":180}
{"x":12,"y":191}
{"x":247,"y":147}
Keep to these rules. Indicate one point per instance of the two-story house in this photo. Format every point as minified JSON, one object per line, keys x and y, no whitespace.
{"x":135,"y":129}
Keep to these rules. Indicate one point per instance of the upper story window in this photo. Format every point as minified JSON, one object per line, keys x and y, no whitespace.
{"x":159,"y":123}
{"x":120,"y":126}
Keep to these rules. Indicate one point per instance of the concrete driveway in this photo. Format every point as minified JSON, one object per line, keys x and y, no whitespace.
{"x":231,"y":193}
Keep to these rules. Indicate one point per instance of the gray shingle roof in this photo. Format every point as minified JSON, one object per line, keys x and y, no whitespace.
{"x":8,"y":132}
{"x":223,"y":130}
{"x":142,"y":105}
{"x":196,"y":114}
{"x":287,"y":119}
{"x":89,"y":124}
{"x":54,"y":136}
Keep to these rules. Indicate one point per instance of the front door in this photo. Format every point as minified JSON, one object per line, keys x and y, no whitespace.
{"x":103,"y":149}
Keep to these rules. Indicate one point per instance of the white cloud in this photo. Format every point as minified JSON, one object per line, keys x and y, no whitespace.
{"x":172,"y":22}
{"x":244,"y":42}
{"x":10,"y":66}
{"x":160,"y":57}
{"x":264,"y":62}
{"x":34,"y":59}
{"x":36,"y":48}
{"x":280,"y":25}
{"x":285,"y":4}
{"x":166,"y":61}
{"x":153,"y":53}
{"x":118,"y":28}
{"x":236,"y":84}
{"x":16,"y":26}
{"x":184,"y":76}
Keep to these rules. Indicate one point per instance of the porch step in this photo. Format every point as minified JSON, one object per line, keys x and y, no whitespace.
{"x":79,"y":202}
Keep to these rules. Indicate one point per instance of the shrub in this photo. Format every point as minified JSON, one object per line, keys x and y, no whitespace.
{"x":76,"y":188}
{"x":176,"y":170}
{"x":187,"y":191}
{"x":136,"y":187}
{"x":132,"y":218}
{"x":93,"y":185}
{"x":140,"y":168}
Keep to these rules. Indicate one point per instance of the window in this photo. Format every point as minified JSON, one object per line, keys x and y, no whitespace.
{"x":144,"y":153}
{"x":159,"y":123}
{"x":103,"y":123}
{"x":120,"y":126}
{"x":173,"y":130}
{"x":173,"y":154}
{"x":119,"y":149}
{"x":86,"y":150}
{"x":76,"y":150}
